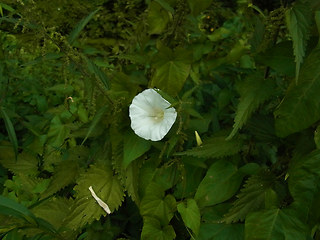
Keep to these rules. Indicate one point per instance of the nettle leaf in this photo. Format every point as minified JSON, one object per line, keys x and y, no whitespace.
{"x":133,"y":147}
{"x":275,"y":224}
{"x":106,"y":186}
{"x":251,"y":198}
{"x":65,"y":173}
{"x":155,"y":204}
{"x":26,"y":163}
{"x":254,"y":91}
{"x":221,"y":182}
{"x":152,"y":229}
{"x":215,"y":147}
{"x":298,"y":20}
{"x":158,"y":18}
{"x":190,"y":214}
{"x":132,"y":182}
{"x":172,"y":69}
{"x":300,"y":107}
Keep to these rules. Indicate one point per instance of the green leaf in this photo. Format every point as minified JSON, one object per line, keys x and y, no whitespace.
{"x":7,"y":7}
{"x":10,"y":130}
{"x":198,"y":6}
{"x":317,"y":18}
{"x":26,"y":163}
{"x":274,"y":224}
{"x":80,"y":26}
{"x":95,"y":122}
{"x":106,"y":186}
{"x":152,"y":229}
{"x":304,"y":174}
{"x":165,"y":5}
{"x":132,"y":182}
{"x":99,"y":74}
{"x":254,"y":91}
{"x":46,"y":57}
{"x":300,"y":107}
{"x":9,"y":207}
{"x":58,"y":132}
{"x":190,"y":214}
{"x":158,"y":18}
{"x":64,"y":174}
{"x":251,"y":197}
{"x":155,"y":204}
{"x":215,"y":147}
{"x":54,"y":210}
{"x":221,"y":182}
{"x":133,"y":148}
{"x":61,"y":88}
{"x":298,"y":20}
{"x":172,"y":70}
{"x":279,"y":57}
{"x":220,"y":231}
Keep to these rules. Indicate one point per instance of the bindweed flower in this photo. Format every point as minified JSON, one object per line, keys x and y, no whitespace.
{"x":151,"y":115}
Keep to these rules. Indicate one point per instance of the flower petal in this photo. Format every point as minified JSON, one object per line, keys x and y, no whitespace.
{"x":144,"y":119}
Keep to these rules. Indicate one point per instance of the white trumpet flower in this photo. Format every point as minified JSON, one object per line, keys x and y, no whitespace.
{"x":151,"y":115}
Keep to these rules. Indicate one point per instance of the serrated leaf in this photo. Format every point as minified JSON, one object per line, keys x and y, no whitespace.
{"x":298,"y":20}
{"x":190,"y":214}
{"x":10,"y":130}
{"x":275,"y":224}
{"x":64,"y":174}
{"x":133,"y":147}
{"x":250,"y":198}
{"x":172,"y":70}
{"x":300,"y":107}
{"x":26,"y":163}
{"x":215,"y":147}
{"x":221,"y":182}
{"x":80,"y":26}
{"x":254,"y":91}
{"x":132,"y":182}
{"x":106,"y":186}
{"x":152,"y":229}
{"x":155,"y":204}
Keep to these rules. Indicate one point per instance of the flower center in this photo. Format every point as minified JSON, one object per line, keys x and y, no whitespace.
{"x":157,"y":115}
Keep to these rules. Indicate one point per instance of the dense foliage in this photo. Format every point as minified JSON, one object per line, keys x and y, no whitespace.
{"x":243,"y":74}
